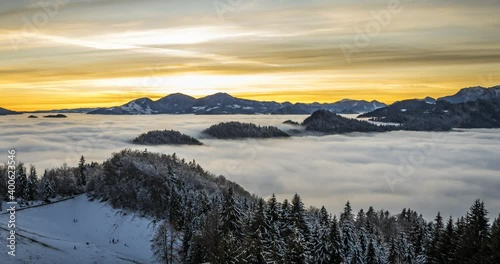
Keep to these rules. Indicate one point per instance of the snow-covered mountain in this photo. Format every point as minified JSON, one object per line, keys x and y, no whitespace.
{"x":359,"y":106}
{"x":223,"y":103}
{"x":430,"y":100}
{"x":472,"y":94}
{"x":4,"y":111}
{"x":73,"y":110}
{"x":176,"y":103}
{"x":79,"y":231}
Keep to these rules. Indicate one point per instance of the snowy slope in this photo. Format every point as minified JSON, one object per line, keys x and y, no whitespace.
{"x":472,"y":94}
{"x":48,"y":234}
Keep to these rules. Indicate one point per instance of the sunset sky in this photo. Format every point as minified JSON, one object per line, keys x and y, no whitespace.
{"x":87,"y":53}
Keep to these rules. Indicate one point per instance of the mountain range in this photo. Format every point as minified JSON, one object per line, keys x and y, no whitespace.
{"x":223,"y":103}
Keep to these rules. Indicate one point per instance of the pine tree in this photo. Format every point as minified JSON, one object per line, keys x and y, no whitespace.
{"x":349,"y":247}
{"x":460,"y":236}
{"x":285,"y":226}
{"x":231,"y":215}
{"x":275,"y":244}
{"x":361,"y":219}
{"x":31,"y":190}
{"x":48,"y":189}
{"x":272,"y":210}
{"x":230,"y":230}
{"x":394,"y":253}
{"x":21,"y":182}
{"x":474,"y":244}
{"x":407,"y":250}
{"x":175,"y":208}
{"x":433,"y":251}
{"x":335,"y":242}
{"x":296,"y":252}
{"x":446,"y":243}
{"x":298,"y":215}
{"x":82,"y":178}
{"x":321,"y":244}
{"x":256,"y":252}
{"x":371,"y":257}
{"x":257,"y":229}
{"x":495,"y":240}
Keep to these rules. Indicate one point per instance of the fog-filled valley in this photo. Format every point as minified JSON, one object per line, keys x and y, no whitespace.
{"x":427,"y":171}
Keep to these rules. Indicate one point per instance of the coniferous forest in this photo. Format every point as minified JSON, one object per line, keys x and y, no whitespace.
{"x":201,"y":217}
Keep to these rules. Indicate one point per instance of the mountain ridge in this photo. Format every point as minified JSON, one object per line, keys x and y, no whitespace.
{"x":4,"y":111}
{"x":472,"y":93}
{"x":224,"y":103}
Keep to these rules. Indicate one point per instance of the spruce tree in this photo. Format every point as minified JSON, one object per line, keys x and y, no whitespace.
{"x":371,"y":257}
{"x":21,"y":182}
{"x":31,"y":190}
{"x":349,"y":248}
{"x":256,"y":249}
{"x":82,"y":178}
{"x":321,"y":243}
{"x":230,"y":230}
{"x":433,"y":251}
{"x":474,"y":244}
{"x":446,"y":243}
{"x":394,"y":253}
{"x":335,"y":242}
{"x":48,"y":189}
{"x":296,"y":252}
{"x":298,"y":215}
{"x":495,"y":240}
{"x":272,"y":210}
{"x":407,"y":249}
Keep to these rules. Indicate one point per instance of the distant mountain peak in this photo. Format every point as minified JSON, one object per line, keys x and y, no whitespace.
{"x":472,"y":94}
{"x":176,"y":96}
{"x":4,"y":111}
{"x":221,"y":95}
{"x":142,"y":100}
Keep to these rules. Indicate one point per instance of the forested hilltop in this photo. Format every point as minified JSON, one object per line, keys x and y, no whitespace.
{"x":165,"y":137}
{"x":206,"y":218}
{"x":233,"y":130}
{"x":442,"y":115}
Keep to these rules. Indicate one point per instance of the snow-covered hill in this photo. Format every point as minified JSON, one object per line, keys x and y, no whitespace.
{"x":49,"y":234}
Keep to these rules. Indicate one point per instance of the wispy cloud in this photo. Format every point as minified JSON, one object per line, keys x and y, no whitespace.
{"x":431,"y":47}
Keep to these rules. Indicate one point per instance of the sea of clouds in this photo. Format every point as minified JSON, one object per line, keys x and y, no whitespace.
{"x":424,"y":171}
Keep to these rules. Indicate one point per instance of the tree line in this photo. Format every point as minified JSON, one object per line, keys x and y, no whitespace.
{"x":201,"y":217}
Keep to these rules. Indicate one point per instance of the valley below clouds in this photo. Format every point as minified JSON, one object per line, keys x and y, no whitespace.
{"x":430,"y":171}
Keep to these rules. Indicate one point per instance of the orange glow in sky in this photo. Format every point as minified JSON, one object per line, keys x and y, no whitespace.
{"x":105,"y":53}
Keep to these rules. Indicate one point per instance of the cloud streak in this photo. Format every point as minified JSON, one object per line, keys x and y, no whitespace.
{"x":431,"y":47}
